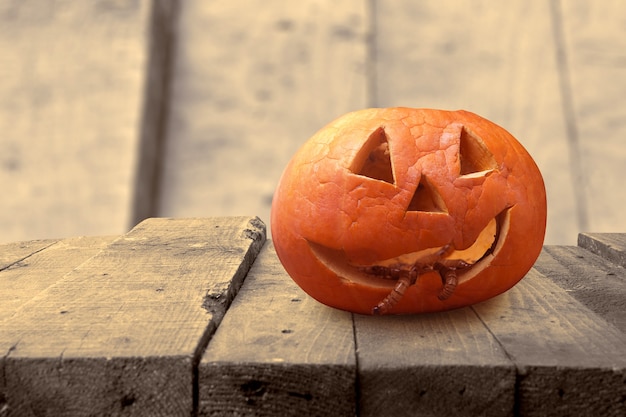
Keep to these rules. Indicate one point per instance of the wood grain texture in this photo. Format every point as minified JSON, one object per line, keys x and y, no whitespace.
{"x":278,"y":352}
{"x":11,"y":253}
{"x":432,"y":365}
{"x":120,"y":333}
{"x":595,"y":50}
{"x":28,"y":276}
{"x":596,"y":283}
{"x":71,"y":105}
{"x":252,"y":81}
{"x":497,"y":60}
{"x":610,"y":246}
{"x":569,"y":360}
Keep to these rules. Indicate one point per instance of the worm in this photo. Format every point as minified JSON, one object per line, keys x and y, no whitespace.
{"x":406,"y":277}
{"x":404,"y":281}
{"x":450,"y":280}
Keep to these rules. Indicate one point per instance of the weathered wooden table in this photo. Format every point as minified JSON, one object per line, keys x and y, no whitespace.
{"x":143,"y":324}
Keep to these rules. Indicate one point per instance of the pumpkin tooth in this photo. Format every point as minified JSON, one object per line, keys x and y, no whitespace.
{"x":423,"y":257}
{"x":479,"y":248}
{"x":446,"y":255}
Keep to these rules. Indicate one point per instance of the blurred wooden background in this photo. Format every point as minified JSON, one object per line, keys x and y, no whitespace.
{"x":116,"y":110}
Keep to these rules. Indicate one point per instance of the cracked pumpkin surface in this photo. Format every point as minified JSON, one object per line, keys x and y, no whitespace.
{"x":382,"y":196}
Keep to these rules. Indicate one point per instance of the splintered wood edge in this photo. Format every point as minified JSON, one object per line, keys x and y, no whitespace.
{"x":91,"y":333}
{"x":292,"y":353}
{"x":218,"y":302}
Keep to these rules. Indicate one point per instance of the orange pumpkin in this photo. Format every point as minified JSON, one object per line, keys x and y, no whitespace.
{"x":406,"y":210}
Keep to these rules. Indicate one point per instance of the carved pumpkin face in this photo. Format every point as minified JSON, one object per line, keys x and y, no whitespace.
{"x":409,"y":210}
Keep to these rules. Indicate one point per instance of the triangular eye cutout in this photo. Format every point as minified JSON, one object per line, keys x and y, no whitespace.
{"x":426,"y":198}
{"x":373,"y":158}
{"x":475,"y":157}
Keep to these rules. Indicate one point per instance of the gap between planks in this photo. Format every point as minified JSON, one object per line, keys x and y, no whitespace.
{"x":541,"y":349}
{"x":293,"y":355}
{"x":533,"y":348}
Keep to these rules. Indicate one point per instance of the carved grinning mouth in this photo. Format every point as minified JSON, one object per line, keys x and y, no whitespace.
{"x":336,"y":260}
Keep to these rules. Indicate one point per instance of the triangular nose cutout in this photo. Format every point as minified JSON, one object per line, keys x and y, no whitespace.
{"x":426,"y":198}
{"x":373,"y":160}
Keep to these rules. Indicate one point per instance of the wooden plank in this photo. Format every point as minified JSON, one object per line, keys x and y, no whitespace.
{"x":122,"y":332}
{"x":72,"y":85}
{"x":27,"y":277}
{"x":495,"y":59}
{"x":569,"y":360}
{"x":595,"y":50}
{"x":610,"y":246}
{"x":293,"y":355}
{"x":11,"y":253}
{"x":253,"y":79}
{"x":599,"y":285}
{"x":435,"y":364}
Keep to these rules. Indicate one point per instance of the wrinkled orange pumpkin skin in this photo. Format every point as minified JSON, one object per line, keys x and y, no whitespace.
{"x":319,"y":199}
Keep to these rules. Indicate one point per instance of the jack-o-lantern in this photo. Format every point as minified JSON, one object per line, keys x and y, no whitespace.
{"x":409,"y":210}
